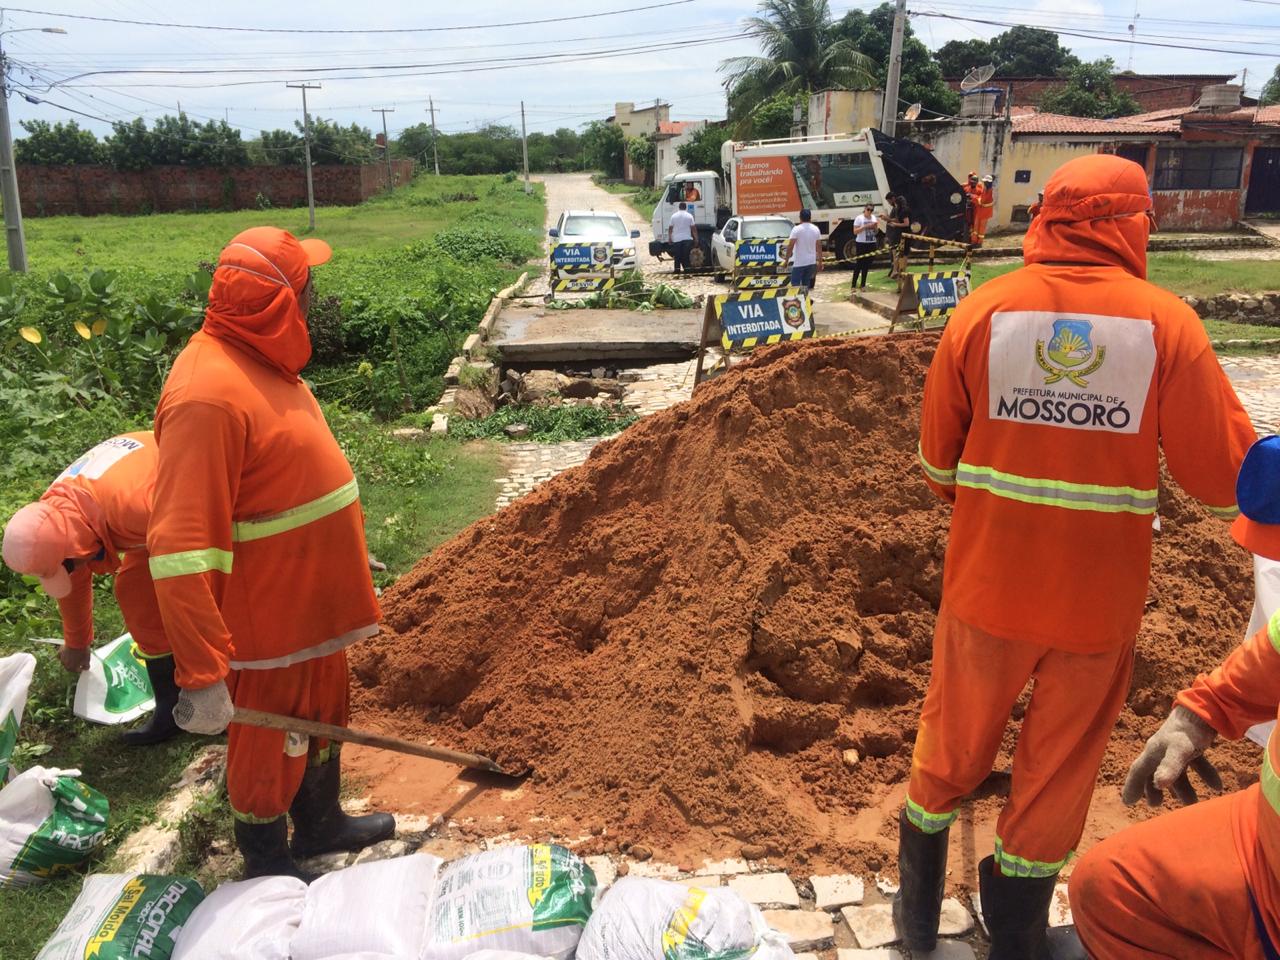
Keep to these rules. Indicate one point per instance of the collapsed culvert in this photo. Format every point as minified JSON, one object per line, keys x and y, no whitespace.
{"x":716,"y":632}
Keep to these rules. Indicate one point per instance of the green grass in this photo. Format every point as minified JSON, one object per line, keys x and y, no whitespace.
{"x":178,"y":241}
{"x":1182,"y":273}
{"x":1220,"y":330}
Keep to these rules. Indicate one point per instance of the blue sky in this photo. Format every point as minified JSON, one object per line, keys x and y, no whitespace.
{"x":568,"y":92}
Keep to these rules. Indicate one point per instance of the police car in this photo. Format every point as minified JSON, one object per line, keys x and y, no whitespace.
{"x":591,"y":226}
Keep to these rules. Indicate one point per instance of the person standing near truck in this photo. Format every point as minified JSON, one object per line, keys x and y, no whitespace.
{"x":804,"y":250}
{"x":680,"y":233}
{"x":865,"y":241}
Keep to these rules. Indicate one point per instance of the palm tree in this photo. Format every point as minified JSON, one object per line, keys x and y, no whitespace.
{"x":801,"y":55}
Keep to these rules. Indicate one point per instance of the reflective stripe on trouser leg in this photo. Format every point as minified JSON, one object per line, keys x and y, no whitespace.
{"x":1073,"y":708}
{"x":976,"y":680}
{"x":265,"y":767}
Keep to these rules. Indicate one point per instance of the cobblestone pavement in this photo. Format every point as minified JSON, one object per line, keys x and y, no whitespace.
{"x":1257,"y":383}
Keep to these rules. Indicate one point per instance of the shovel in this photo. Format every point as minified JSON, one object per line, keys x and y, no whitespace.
{"x":313,"y":728}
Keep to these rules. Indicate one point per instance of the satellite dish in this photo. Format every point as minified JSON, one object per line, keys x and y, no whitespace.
{"x":913,"y":111}
{"x":977,"y":77}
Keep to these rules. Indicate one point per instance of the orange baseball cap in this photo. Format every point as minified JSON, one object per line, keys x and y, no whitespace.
{"x":36,"y":542}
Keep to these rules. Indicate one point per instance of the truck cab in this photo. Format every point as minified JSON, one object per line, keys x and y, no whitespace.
{"x":700,"y":192}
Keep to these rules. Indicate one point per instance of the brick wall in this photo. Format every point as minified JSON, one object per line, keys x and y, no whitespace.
{"x":91,"y":190}
{"x":1152,"y":93}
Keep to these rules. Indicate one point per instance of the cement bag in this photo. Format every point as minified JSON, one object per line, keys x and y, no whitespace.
{"x":502,"y":955}
{"x":16,"y":672}
{"x":253,"y":920}
{"x":642,"y":919}
{"x":377,"y":908}
{"x":533,"y":899}
{"x":123,"y":916}
{"x":49,"y":822}
{"x":115,"y":688}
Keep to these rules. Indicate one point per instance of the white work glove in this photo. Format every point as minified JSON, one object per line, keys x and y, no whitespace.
{"x":207,"y":710}
{"x":1163,"y":763}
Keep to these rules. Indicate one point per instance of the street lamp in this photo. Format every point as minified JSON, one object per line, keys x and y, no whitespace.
{"x":14,"y":238}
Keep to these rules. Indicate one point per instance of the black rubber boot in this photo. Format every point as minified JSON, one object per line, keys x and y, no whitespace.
{"x":161,"y":726}
{"x":922,"y":873}
{"x":265,"y":848}
{"x":1064,"y":943}
{"x":1016,"y":910}
{"x":320,"y":826}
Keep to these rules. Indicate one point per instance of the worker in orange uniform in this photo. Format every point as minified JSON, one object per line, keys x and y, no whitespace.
{"x":984,"y":207}
{"x":93,"y":519}
{"x":972,"y":189}
{"x":1202,"y":882}
{"x":258,"y":552}
{"x":1048,"y":401}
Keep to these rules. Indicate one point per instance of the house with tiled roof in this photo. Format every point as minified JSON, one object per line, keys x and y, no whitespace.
{"x":671,"y":136}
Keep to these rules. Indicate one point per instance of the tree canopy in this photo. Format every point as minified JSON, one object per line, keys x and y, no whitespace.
{"x":1090,"y":92}
{"x":1271,"y":89}
{"x":58,"y":144}
{"x":801,"y":53}
{"x":702,"y":150}
{"x":603,"y":147}
{"x":1018,"y":52}
{"x":871,"y":33}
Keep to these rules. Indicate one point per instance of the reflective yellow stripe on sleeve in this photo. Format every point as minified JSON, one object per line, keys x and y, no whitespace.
{"x":299,"y":516}
{"x":189,"y":562}
{"x":1273,"y":631}
{"x":1270,"y":782}
{"x":1057,"y":493}
{"x":936,"y":474}
{"x":1012,"y":866}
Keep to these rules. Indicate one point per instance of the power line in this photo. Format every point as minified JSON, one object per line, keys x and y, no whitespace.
{"x":381,"y":30}
{"x":1094,"y":36}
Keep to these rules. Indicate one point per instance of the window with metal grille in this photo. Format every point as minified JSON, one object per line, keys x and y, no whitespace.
{"x":1198,"y":168}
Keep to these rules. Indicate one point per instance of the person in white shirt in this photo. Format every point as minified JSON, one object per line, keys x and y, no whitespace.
{"x":865,"y":242}
{"x":680,"y":233}
{"x":804,"y":250}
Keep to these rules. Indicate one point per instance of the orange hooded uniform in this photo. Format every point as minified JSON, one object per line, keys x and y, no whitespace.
{"x":983,"y":200}
{"x":103,"y":503}
{"x":257,"y":536}
{"x":1052,"y":392}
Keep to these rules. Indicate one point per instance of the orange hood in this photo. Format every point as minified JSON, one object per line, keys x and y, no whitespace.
{"x":1094,"y":213}
{"x":254,"y":298}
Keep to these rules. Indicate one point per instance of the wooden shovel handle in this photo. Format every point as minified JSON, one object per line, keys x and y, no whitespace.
{"x":313,"y":728}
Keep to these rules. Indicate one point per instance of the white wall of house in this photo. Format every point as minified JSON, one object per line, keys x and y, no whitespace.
{"x":667,"y":159}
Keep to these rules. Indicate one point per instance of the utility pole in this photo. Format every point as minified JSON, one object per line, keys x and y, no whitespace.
{"x":386,"y":143}
{"x":889,"y":115}
{"x":306,"y":146}
{"x":15,"y":239}
{"x":524,"y":146}
{"x":435,"y":157}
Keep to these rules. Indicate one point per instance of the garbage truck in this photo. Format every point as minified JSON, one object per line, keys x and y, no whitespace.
{"x":834,"y":176}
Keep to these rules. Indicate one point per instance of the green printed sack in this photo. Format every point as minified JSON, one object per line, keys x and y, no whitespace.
{"x":16,"y":672}
{"x":115,"y":688}
{"x":122,"y":916}
{"x":49,"y":823}
{"x":533,"y":899}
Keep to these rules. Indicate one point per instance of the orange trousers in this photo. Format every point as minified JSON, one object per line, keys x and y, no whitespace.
{"x":136,"y":593}
{"x":976,"y":681}
{"x":265,"y":767}
{"x":1172,"y":887}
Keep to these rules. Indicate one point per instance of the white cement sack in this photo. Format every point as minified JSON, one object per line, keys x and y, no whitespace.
{"x":643,"y":919}
{"x":49,"y":823}
{"x":122,"y":916}
{"x":533,"y":899}
{"x":502,"y":955}
{"x":252,"y":920}
{"x":1266,"y":602}
{"x":16,"y":672}
{"x":115,"y":689}
{"x":377,"y":908}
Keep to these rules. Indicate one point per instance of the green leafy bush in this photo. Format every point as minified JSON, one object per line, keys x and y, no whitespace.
{"x":546,"y":424}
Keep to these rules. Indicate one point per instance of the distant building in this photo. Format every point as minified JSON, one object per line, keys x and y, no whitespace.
{"x":638,"y":122}
{"x":1153,"y":91}
{"x":672,"y":135}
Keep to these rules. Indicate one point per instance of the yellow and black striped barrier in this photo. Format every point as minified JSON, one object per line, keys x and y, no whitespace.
{"x":582,"y":284}
{"x":762,"y":281}
{"x":757,"y":317}
{"x":568,"y":258}
{"x":939,"y":293}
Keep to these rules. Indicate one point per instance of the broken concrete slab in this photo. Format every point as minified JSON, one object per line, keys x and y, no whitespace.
{"x":1060,"y":907}
{"x":872,"y":926}
{"x":699,"y":881}
{"x":804,"y":929}
{"x":386,"y":850}
{"x":766,"y":889}
{"x":653,"y":869}
{"x":536,"y":334}
{"x":472,"y":344}
{"x":876,"y":953}
{"x":837,"y":890}
{"x":947,"y":950}
{"x":439,"y":424}
{"x":724,"y":868}
{"x":326,"y":862}
{"x":155,"y":847}
{"x":955,"y":920}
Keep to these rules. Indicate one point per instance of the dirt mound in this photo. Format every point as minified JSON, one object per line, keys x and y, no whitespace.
{"x":686,"y":634}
